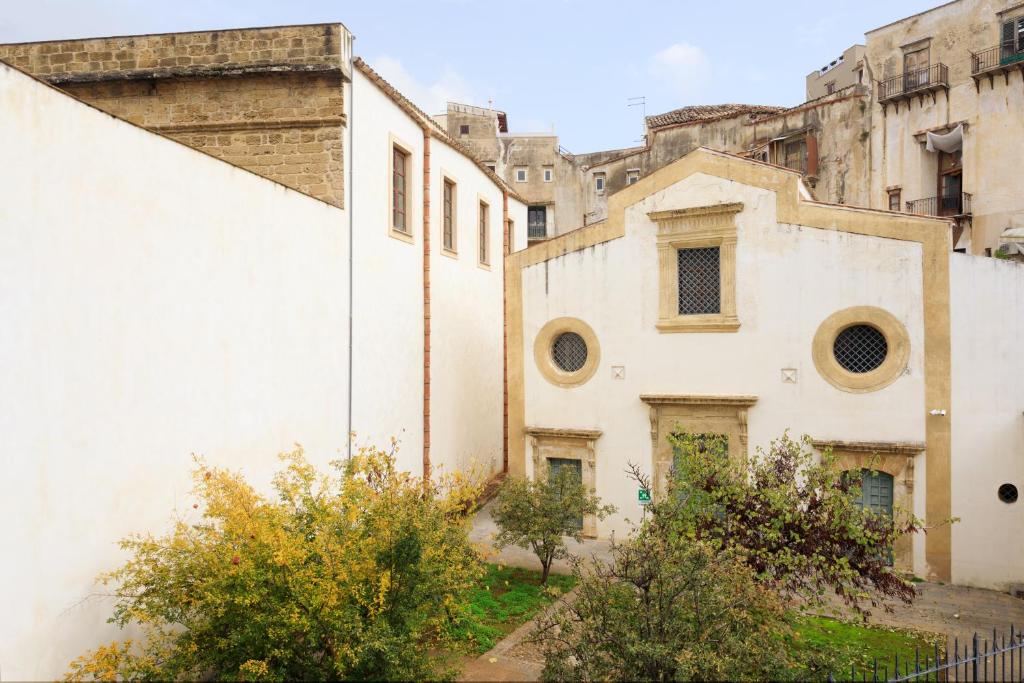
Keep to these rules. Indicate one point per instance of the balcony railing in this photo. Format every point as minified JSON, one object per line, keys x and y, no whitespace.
{"x":995,"y":59}
{"x":537,"y":232}
{"x":943,"y":205}
{"x":911,"y":83}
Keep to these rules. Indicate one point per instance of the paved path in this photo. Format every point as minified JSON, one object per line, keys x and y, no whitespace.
{"x":954,"y":611}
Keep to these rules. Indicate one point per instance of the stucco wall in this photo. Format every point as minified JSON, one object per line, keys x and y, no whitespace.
{"x":160,"y":303}
{"x":987,"y":307}
{"x":789,"y":279}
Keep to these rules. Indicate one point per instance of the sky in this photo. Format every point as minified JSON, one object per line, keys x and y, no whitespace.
{"x":565,"y":65}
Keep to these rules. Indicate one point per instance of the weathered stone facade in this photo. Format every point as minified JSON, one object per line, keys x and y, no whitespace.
{"x":270,"y":100}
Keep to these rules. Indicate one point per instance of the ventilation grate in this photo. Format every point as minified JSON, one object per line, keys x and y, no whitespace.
{"x":569,"y":352}
{"x":860,"y":348}
{"x":699,"y":281}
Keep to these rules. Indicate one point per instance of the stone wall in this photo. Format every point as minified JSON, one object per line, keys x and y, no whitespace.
{"x":269,"y":100}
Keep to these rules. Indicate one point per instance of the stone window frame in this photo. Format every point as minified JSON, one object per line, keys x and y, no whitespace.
{"x":897,"y":192}
{"x":696,"y":414}
{"x":632,"y":176}
{"x":569,"y":444}
{"x":525,"y":170}
{"x":549,"y":174}
{"x":895,"y":458}
{"x":600,"y":183}
{"x":703,"y":226}
{"x":542,"y":352}
{"x":483,"y":232}
{"x":896,"y":338}
{"x":449,"y":179}
{"x":396,"y":143}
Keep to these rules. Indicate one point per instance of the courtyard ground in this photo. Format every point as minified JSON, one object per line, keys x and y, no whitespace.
{"x":953,"y":611}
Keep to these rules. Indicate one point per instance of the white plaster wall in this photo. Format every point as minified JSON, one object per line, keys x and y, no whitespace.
{"x":154,"y":302}
{"x":517,"y":211}
{"x":789,"y":279}
{"x":987,"y":308}
{"x":466,"y":409}
{"x":387,"y":373}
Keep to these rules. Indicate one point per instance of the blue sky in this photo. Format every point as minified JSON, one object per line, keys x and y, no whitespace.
{"x":563,"y":64}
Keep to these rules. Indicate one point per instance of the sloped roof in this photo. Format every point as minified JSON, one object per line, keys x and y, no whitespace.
{"x":427,"y":121}
{"x":707,"y":112}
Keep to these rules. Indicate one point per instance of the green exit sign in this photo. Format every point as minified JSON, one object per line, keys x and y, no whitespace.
{"x":643,"y":496}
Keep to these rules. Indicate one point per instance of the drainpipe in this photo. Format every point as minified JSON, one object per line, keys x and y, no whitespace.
{"x":426,"y":305}
{"x":351,"y":239}
{"x":506,"y":250}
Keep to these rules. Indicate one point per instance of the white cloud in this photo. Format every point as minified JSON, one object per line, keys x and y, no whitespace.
{"x":430,"y":97}
{"x":681,"y":68}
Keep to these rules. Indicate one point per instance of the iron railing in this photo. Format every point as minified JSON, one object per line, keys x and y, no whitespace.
{"x":1002,"y":659}
{"x":994,"y":57}
{"x":936,"y":75}
{"x":944,"y":205}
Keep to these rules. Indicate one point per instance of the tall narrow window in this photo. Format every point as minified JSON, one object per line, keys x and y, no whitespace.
{"x":537,"y":222}
{"x":399,"y":191}
{"x":448,"y":209}
{"x":599,"y":183}
{"x":485,"y":234}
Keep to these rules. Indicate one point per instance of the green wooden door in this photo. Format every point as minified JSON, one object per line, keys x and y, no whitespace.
{"x":575,"y":467}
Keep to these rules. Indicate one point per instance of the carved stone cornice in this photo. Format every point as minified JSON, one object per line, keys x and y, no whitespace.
{"x":739,"y":401}
{"x":560,"y":433}
{"x":696,"y":212}
{"x":880,"y":447}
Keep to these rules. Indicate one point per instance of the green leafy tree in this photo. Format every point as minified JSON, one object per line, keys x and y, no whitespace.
{"x":538,"y":514}
{"x":665,"y":609}
{"x":794,"y":518}
{"x":345,"y":575}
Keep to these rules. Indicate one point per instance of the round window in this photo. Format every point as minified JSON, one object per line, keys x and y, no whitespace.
{"x":569,"y":352}
{"x":860,"y":348}
{"x":1007,"y":493}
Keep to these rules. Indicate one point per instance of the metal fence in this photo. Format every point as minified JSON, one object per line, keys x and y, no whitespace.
{"x":956,"y":204}
{"x":981,"y":660}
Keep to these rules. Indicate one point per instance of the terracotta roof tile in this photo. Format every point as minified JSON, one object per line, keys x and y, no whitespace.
{"x":706,"y":112}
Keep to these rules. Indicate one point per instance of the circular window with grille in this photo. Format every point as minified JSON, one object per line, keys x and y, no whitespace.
{"x":566,"y":352}
{"x":861,"y":349}
{"x":1007,"y":493}
{"x":569,"y":352}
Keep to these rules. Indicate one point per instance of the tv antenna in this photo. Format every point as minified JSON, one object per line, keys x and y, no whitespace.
{"x":640,"y":101}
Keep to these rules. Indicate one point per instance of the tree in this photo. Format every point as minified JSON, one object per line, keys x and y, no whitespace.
{"x":794,"y":519}
{"x":345,"y":575}
{"x":665,"y":609}
{"x":538,"y":514}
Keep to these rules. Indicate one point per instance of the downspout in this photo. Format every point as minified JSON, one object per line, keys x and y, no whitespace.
{"x":506,"y":250}
{"x":351,"y":240}
{"x":426,"y":305}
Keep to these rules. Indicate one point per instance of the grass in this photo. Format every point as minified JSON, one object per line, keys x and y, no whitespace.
{"x":506,"y":598}
{"x":829,"y":645}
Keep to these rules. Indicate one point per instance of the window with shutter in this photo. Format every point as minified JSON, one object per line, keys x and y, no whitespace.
{"x":399,"y":195}
{"x":449,"y":216}
{"x":485,"y":246}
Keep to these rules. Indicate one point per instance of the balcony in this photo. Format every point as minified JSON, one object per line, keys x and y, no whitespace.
{"x":953,"y":205}
{"x":917,"y":83}
{"x":1001,"y":59}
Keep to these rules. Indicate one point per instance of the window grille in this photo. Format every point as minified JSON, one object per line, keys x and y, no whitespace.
{"x":1008,"y":493}
{"x":398,"y":190}
{"x":860,"y":348}
{"x":569,"y":352}
{"x":699,"y":281}
{"x":485,"y":242}
{"x":449,"y":215}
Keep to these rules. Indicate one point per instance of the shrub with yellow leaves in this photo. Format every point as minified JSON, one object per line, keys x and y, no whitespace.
{"x":350,"y":574}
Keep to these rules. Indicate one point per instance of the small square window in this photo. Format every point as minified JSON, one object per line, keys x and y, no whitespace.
{"x":599,"y":183}
{"x":632,"y":176}
{"x":894,"y":200}
{"x":549,"y":175}
{"x":464,"y":129}
{"x":520,"y":175}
